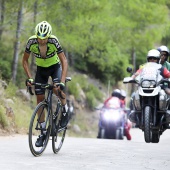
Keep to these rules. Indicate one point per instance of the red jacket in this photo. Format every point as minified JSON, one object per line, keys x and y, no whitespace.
{"x":112,"y":102}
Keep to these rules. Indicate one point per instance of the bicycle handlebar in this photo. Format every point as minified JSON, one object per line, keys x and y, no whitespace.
{"x":46,"y":86}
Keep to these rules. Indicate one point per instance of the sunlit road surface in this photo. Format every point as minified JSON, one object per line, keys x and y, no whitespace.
{"x":88,"y":154}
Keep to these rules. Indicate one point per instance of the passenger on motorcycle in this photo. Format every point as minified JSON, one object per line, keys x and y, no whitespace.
{"x":123,"y":98}
{"x":152,"y":56}
{"x":164,"y":51}
{"x":128,"y":124}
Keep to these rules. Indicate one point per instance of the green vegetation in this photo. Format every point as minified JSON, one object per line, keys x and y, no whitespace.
{"x":3,"y":120}
{"x":99,"y":38}
{"x":15,"y":112}
{"x":80,"y":84}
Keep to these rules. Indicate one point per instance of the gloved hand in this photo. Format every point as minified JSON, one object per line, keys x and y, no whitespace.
{"x":62,"y":85}
{"x":30,"y":80}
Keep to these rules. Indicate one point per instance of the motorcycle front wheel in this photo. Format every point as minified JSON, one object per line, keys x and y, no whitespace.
{"x":147,"y":125}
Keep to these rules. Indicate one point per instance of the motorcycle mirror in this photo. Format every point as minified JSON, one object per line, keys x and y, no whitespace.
{"x":129,"y":69}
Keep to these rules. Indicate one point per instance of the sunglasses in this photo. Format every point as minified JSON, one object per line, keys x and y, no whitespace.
{"x":41,"y":35}
{"x":152,"y":58}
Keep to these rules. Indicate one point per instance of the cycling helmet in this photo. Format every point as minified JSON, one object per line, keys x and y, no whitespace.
{"x":123,"y":93}
{"x":43,"y":30}
{"x":116,"y":93}
{"x":153,"y":53}
{"x":163,"y":48}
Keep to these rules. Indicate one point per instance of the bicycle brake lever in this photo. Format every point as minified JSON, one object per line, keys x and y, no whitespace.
{"x":29,"y":89}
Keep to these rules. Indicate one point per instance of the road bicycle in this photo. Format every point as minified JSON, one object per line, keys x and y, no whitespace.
{"x":49,"y":110}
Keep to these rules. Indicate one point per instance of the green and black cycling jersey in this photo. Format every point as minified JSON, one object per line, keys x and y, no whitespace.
{"x":53,"y":48}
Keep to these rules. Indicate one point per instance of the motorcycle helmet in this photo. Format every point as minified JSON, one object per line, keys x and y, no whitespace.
{"x":116,"y":93}
{"x":153,"y":53}
{"x":123,"y":93}
{"x":43,"y":30}
{"x":164,"y":48}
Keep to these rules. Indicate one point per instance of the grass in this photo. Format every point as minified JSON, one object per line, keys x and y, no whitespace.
{"x":23,"y":110}
{"x":15,"y":112}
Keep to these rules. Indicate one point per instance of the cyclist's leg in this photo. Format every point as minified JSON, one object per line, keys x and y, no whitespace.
{"x":56,"y":77}
{"x":41,"y":77}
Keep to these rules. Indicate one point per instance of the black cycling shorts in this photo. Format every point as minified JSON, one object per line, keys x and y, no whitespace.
{"x":43,"y":74}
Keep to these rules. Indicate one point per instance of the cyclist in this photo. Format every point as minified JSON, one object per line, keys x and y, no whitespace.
{"x":51,"y":62}
{"x":164,"y":51}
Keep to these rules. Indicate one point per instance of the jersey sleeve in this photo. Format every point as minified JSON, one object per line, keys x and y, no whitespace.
{"x":53,"y":39}
{"x":28,"y":46}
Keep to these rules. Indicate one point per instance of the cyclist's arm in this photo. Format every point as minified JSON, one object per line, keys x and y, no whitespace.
{"x":25,"y":64}
{"x":64,"y":65}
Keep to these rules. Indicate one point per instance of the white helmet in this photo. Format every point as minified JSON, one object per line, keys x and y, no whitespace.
{"x":163,"y":48}
{"x":123,"y":93}
{"x":43,"y":30}
{"x":153,"y":53}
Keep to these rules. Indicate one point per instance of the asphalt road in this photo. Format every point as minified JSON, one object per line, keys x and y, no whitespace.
{"x":88,"y":154}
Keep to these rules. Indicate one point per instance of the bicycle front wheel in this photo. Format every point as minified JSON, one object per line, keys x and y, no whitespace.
{"x":35,"y":130}
{"x":58,"y":132}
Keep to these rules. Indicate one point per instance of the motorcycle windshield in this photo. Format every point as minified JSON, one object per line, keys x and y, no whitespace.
{"x":150,"y":72}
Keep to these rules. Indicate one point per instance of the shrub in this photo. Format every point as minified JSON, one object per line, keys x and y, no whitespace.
{"x":91,"y":100}
{"x":11,"y":90}
{"x":3,"y":120}
{"x":92,"y":92}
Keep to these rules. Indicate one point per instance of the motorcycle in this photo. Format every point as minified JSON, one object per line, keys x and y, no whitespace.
{"x":150,"y":102}
{"x":111,"y":123}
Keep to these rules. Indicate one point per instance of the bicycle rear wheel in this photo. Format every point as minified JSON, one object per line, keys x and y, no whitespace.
{"x":58,"y":132}
{"x":35,"y":128}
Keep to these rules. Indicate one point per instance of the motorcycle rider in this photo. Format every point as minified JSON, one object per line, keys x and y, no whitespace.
{"x":152,"y":56}
{"x":117,"y":99}
{"x":112,"y":102}
{"x":108,"y":102}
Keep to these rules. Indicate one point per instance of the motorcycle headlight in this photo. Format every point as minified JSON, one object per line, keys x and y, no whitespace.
{"x":111,"y":115}
{"x":148,"y":84}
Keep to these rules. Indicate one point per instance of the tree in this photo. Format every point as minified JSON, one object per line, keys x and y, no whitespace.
{"x":2,"y":13}
{"x":17,"y":42}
